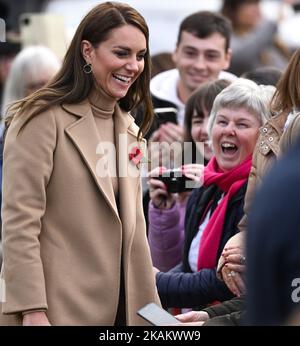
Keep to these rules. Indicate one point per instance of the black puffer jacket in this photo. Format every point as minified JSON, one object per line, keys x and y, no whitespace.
{"x":182,"y":288}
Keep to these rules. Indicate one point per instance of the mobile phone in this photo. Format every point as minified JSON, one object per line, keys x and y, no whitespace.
{"x":156,"y":315}
{"x":166,"y":115}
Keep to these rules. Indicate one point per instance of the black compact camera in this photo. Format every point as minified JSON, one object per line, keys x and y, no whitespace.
{"x":175,"y":181}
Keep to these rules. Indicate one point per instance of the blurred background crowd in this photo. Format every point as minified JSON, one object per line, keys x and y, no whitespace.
{"x":53,"y":22}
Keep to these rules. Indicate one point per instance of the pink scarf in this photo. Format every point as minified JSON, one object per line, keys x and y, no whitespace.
{"x":229,"y":182}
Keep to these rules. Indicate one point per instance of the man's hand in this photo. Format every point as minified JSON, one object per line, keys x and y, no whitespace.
{"x":192,"y":318}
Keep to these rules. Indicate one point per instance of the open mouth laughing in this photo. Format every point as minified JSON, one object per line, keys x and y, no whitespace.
{"x":229,"y":148}
{"x":123,"y":79}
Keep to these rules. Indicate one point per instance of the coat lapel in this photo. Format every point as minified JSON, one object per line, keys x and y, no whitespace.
{"x":84,"y":136}
{"x":129,"y":173}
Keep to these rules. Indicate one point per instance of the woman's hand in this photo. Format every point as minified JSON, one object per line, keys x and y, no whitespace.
{"x":170,"y":133}
{"x":158,"y":190}
{"x":235,"y":259}
{"x":193,"y":318}
{"x":38,"y":318}
{"x":235,"y":241}
{"x":233,"y":270}
{"x":160,"y":141}
{"x":234,"y":281}
{"x":194,"y":171}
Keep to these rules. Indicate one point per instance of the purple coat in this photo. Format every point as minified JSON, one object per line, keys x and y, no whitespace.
{"x":166,"y":235}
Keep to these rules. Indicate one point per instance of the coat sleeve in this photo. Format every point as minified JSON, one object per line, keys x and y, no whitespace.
{"x":28,"y":163}
{"x":251,"y":188}
{"x":229,"y":306}
{"x":166,"y":232}
{"x":188,"y":290}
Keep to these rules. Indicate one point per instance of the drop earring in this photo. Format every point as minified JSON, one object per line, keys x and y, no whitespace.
{"x":87,"y":68}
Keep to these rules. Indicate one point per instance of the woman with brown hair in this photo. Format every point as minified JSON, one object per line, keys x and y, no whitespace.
{"x":75,"y":247}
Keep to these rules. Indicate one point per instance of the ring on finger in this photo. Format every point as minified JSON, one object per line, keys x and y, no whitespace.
{"x":242,"y":259}
{"x":232,"y":273}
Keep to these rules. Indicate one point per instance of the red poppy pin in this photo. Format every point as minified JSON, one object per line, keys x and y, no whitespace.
{"x":135,"y":155}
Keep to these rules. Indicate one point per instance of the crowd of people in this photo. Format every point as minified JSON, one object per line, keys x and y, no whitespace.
{"x":85,"y":241}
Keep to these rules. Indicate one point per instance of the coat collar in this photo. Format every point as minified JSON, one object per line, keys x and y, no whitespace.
{"x":277,"y":122}
{"x":83,"y":109}
{"x":84,"y":135}
{"x":271,"y":133}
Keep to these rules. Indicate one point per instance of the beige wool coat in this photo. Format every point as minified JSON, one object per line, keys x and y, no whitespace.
{"x":63,"y":234}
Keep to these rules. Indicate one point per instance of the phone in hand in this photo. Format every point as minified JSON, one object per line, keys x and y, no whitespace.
{"x":164,"y":116}
{"x":156,"y":315}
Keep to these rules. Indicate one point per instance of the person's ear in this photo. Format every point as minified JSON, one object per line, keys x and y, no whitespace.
{"x":228,"y":56}
{"x":87,"y":50}
{"x":175,"y":56}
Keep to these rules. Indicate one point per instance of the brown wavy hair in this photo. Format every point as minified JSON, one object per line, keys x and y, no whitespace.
{"x":71,"y":85}
{"x":287,"y":95}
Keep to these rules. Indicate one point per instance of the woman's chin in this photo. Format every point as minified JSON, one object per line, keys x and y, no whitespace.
{"x":226,"y":165}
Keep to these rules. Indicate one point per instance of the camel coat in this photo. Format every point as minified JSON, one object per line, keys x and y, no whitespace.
{"x":65,"y":238}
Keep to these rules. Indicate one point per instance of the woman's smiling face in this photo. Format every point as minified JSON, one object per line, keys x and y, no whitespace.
{"x":199,"y":134}
{"x":234,"y":135}
{"x":118,"y":61}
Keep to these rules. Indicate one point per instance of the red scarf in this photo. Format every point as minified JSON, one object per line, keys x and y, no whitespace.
{"x":229,"y":182}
